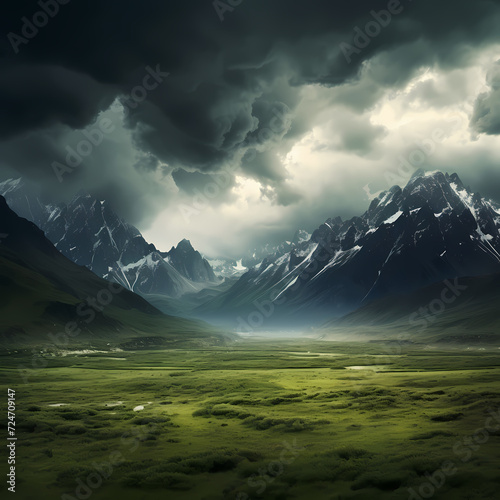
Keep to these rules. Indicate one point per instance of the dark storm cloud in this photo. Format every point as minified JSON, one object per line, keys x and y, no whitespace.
{"x":193,"y":183}
{"x":282,"y":194}
{"x":217,"y":104}
{"x":34,"y":96}
{"x":486,"y":181}
{"x":263,"y":166}
{"x":127,"y":178}
{"x":352,"y":133}
{"x":486,"y":116}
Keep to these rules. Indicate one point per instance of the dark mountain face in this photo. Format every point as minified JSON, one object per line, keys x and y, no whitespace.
{"x":89,"y":232}
{"x":462,"y":311}
{"x":37,"y":279}
{"x":431,"y":230}
{"x":25,"y":244}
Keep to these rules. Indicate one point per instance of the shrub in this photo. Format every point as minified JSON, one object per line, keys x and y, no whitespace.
{"x":151,"y":479}
{"x":285,"y":424}
{"x":222,"y":410}
{"x":430,"y":435}
{"x":385,"y":482}
{"x":447,"y":417}
{"x":202,"y":412}
{"x":150,"y":420}
{"x":70,"y":430}
{"x":352,"y":453}
{"x":67,"y":476}
{"x":27,"y":425}
{"x":423,"y":464}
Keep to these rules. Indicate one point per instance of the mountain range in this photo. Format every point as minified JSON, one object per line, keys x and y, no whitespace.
{"x":410,"y":238}
{"x":432,"y":229}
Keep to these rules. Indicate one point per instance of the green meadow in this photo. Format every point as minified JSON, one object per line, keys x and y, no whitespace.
{"x":290,"y":419}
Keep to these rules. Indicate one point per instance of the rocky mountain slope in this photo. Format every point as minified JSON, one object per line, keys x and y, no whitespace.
{"x":431,"y":230}
{"x":91,"y":234}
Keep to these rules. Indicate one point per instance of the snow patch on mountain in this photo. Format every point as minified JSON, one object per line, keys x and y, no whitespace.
{"x":393,"y":218}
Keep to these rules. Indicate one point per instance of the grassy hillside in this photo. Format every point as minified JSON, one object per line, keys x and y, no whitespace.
{"x":465,"y":310}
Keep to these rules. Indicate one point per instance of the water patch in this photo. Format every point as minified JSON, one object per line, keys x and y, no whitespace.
{"x":141,"y":407}
{"x":310,"y":354}
{"x":367,"y":367}
{"x":82,"y":352}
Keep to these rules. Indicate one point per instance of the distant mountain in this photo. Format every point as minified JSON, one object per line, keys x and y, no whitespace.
{"x":258,"y":285}
{"x":48,"y":300}
{"x":190,"y":263}
{"x":227,"y":268}
{"x":91,"y":234}
{"x":185,"y":305}
{"x":255,"y":256}
{"x":172,"y":274}
{"x":431,"y":230}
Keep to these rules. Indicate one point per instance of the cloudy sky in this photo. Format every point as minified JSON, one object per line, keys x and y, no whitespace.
{"x":236,"y":122}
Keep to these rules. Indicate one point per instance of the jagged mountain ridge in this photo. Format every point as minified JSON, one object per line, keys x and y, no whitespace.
{"x":255,"y":256}
{"x":91,"y":234}
{"x":231,"y":268}
{"x":432,"y":229}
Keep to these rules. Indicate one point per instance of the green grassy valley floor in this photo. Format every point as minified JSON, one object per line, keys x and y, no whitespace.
{"x":271,"y":420}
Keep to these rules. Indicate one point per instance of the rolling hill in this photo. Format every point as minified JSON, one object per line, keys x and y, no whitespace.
{"x":463,"y":310}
